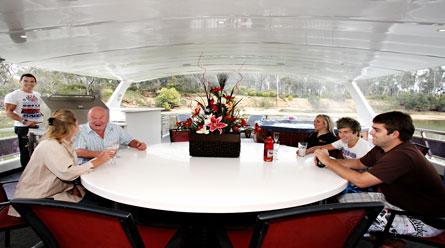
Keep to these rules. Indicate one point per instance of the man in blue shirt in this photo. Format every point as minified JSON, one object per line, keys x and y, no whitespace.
{"x":99,"y":134}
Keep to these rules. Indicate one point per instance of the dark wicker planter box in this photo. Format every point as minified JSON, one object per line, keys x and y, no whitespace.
{"x":179,"y":135}
{"x":210,"y":145}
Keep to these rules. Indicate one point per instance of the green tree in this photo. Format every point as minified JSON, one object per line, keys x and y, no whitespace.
{"x":168,"y":98}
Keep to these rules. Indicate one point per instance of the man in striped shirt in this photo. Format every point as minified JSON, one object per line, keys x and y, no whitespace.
{"x":99,"y":134}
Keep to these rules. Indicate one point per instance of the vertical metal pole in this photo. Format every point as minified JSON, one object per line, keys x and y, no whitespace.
{"x":365,"y":112}
{"x":118,"y":94}
{"x":278,"y":91}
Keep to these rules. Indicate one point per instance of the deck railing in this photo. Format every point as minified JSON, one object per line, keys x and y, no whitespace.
{"x":433,"y":139}
{"x":8,"y":145}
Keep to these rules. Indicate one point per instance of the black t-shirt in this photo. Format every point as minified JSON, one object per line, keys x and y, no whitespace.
{"x":323,"y":139}
{"x":409,"y":180}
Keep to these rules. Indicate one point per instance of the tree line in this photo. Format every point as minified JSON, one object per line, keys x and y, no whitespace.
{"x":420,"y":90}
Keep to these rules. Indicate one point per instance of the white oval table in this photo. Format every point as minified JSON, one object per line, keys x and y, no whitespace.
{"x":165,"y":177}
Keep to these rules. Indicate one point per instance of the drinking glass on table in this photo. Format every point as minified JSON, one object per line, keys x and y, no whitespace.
{"x":276,"y":137}
{"x":113,"y":147}
{"x":302,"y":146}
{"x":276,"y":147}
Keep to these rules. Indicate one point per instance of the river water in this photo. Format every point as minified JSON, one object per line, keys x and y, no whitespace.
{"x":430,"y":124}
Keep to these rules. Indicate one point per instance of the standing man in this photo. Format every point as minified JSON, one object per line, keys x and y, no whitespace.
{"x":98,"y":134}
{"x":23,"y":106}
{"x":405,"y":178}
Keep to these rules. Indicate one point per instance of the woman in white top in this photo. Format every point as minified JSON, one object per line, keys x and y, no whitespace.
{"x":53,"y":164}
{"x":350,"y":143}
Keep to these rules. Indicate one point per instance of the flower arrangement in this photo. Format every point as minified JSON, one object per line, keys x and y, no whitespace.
{"x":217,"y":113}
{"x":184,"y":125}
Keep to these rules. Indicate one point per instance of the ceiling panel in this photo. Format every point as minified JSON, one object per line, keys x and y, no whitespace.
{"x":138,"y":40}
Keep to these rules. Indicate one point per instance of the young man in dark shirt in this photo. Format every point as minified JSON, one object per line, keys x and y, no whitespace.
{"x":403,"y":175}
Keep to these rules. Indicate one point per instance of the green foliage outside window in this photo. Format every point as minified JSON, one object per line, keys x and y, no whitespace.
{"x":422,"y":102}
{"x":168,"y":98}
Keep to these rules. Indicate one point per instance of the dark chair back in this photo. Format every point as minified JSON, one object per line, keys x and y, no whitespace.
{"x":333,"y":225}
{"x":423,"y":149}
{"x":64,"y":224}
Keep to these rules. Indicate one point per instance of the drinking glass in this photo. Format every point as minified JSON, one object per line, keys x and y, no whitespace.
{"x":276,"y":137}
{"x":276,"y":148}
{"x":114,"y":147}
{"x":302,"y":146}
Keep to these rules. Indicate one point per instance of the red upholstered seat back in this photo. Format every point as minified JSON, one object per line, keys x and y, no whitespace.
{"x":240,"y":238}
{"x":330,"y":225}
{"x":73,"y":228}
{"x":440,"y":239}
{"x":179,"y":135}
{"x":8,"y":222}
{"x":326,"y":229}
{"x":156,"y":237}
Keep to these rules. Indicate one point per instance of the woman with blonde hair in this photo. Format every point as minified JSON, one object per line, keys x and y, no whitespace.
{"x":323,"y":133}
{"x":53,"y":164}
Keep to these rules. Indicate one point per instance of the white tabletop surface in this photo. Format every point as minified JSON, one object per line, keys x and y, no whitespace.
{"x":165,"y":177}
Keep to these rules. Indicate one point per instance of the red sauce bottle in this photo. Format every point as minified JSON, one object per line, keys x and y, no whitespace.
{"x":268,"y":149}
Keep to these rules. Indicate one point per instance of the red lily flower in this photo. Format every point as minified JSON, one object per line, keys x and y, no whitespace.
{"x":243,"y":122}
{"x":230,"y":118}
{"x":188,"y":123}
{"x":216,"y":124}
{"x":216,"y":89}
{"x":235,"y":128}
{"x":215,"y":108}
{"x":197,"y":110}
{"x":228,"y":97}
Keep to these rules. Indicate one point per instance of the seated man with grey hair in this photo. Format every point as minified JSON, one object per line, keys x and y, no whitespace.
{"x":99,"y":134}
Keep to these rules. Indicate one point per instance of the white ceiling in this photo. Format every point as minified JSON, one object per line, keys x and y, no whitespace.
{"x":136,"y":40}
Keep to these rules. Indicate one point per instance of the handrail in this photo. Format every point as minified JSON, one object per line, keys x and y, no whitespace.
{"x":8,"y":145}
{"x":423,"y":130}
{"x":92,"y":97}
{"x":6,"y":130}
{"x":428,"y":141}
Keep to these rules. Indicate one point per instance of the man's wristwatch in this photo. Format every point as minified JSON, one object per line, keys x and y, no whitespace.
{"x":24,"y":121}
